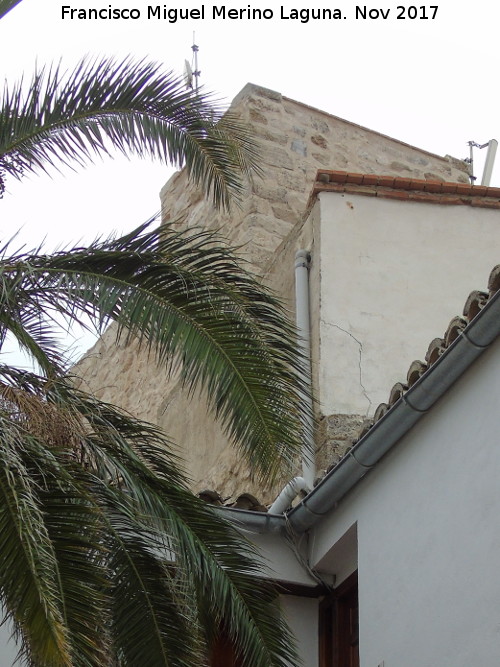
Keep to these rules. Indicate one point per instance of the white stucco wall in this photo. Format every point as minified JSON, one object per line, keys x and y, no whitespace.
{"x":302,"y":616}
{"x":282,"y":560}
{"x":429,"y":535}
{"x":392,"y":275}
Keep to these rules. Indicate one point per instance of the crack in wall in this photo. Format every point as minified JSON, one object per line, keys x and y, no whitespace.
{"x":360,"y":345}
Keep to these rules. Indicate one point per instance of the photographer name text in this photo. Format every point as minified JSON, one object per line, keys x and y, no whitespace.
{"x":249,"y":13}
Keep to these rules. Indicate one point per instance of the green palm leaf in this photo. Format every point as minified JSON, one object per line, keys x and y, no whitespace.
{"x":65,"y":118}
{"x":151,"y":617}
{"x":216,"y":566}
{"x":7,"y":5}
{"x":106,"y":557}
{"x":163,"y":572}
{"x":75,"y":528}
{"x":29,"y":582}
{"x":184,"y":296}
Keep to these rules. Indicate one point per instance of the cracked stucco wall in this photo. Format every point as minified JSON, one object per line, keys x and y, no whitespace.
{"x":392,"y":275}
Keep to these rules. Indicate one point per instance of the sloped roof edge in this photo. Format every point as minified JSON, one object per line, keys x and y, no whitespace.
{"x":388,"y":430}
{"x":405,"y":189}
{"x":250,"y":88}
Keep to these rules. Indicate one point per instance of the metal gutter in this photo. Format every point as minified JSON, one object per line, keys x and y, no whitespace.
{"x":385,"y":433}
{"x":255,"y":522}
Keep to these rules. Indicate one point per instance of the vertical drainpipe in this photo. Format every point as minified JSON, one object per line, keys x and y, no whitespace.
{"x":303,"y":321}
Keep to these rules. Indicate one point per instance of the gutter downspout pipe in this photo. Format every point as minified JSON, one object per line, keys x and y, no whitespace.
{"x":303,"y":322}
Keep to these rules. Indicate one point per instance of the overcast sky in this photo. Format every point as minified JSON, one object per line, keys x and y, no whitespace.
{"x":429,"y":82}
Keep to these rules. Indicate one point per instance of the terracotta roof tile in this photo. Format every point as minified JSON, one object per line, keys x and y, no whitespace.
{"x":433,"y":186}
{"x":244,"y":501}
{"x":380,"y":411}
{"x":397,"y":194}
{"x":455,"y":328}
{"x":211,"y":497}
{"x":355,"y":178}
{"x":481,"y":190}
{"x":397,"y":187}
{"x":370,"y":179}
{"x":475,"y":302}
{"x":416,"y":370}
{"x":387,"y":182}
{"x":396,"y":392}
{"x":494,"y":280}
{"x":403,"y":183}
{"x":449,"y":188}
{"x":436,"y":348}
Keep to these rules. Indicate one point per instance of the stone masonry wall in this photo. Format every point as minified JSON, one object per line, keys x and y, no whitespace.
{"x":294,"y":140}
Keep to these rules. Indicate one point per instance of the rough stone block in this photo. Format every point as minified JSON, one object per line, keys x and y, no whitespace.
{"x":265,"y":104}
{"x":335,"y":437}
{"x":299,"y":146}
{"x":431,"y":176}
{"x":258,"y":117}
{"x":267,"y":93}
{"x":276,"y":157}
{"x":285,"y":213}
{"x":325,"y":159}
{"x":399,"y":167}
{"x":319,"y":140}
{"x":321,"y":126}
{"x":293,"y":180}
{"x":268,"y":135}
{"x":269,"y":191}
{"x":299,"y":130}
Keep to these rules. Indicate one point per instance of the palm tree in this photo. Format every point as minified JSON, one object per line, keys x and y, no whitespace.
{"x":106,"y":558}
{"x":65,"y":118}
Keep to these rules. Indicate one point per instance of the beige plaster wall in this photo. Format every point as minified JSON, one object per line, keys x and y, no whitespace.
{"x":295,"y":140}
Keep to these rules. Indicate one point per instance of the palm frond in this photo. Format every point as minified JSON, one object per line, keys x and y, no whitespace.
{"x":172,"y":567}
{"x":66,"y":118}
{"x":29,"y":583}
{"x":107,"y":557}
{"x":218,"y":570}
{"x":7,"y":5}
{"x":151,"y":616}
{"x":78,"y":535}
{"x":186,"y":298}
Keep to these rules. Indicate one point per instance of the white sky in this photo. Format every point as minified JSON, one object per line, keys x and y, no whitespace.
{"x":431,"y":83}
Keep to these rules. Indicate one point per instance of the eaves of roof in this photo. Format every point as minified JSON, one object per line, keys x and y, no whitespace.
{"x":392,"y":424}
{"x":405,"y":189}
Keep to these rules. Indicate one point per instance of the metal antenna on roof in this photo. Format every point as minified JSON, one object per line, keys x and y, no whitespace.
{"x":488,"y":164}
{"x":191,"y":74}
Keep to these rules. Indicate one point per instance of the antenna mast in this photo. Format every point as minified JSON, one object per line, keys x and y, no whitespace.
{"x":492,"y":145}
{"x":196,"y":71}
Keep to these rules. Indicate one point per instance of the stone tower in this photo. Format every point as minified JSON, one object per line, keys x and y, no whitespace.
{"x":295,"y":141}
